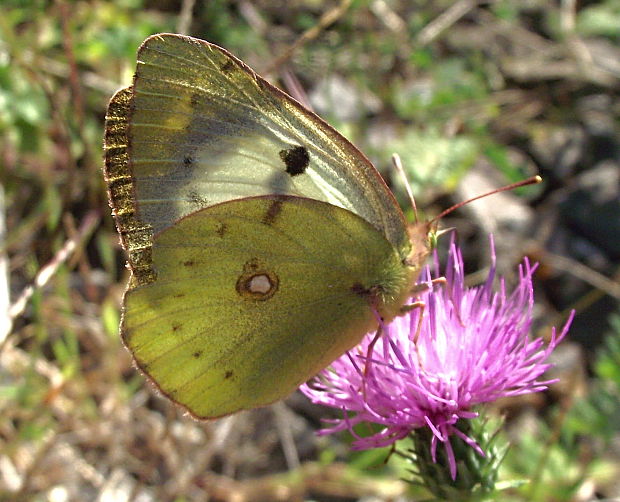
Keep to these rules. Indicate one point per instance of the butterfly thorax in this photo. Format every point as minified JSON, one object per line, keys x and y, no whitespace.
{"x":395,"y":285}
{"x":399,"y":286}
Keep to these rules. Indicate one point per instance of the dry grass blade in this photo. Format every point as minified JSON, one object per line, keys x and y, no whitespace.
{"x":185,"y":16}
{"x":328,"y":18}
{"x":446,"y":19}
{"x":586,"y":274}
{"x":5,"y":320}
{"x":89,"y":223}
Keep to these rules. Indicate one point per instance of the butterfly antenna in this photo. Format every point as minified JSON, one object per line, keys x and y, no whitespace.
{"x":398,"y":165}
{"x":529,"y":181}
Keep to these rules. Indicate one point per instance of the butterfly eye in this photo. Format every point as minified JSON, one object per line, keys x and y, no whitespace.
{"x":433,"y":239}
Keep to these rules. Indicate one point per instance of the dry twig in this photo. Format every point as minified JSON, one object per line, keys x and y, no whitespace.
{"x":47,"y":272}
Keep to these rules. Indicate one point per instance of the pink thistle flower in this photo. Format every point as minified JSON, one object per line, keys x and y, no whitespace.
{"x":472,"y":347}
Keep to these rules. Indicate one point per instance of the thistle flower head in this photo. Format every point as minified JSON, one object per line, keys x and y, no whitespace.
{"x":430,"y":367}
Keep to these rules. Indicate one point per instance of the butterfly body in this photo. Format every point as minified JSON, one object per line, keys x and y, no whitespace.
{"x":262,"y":244}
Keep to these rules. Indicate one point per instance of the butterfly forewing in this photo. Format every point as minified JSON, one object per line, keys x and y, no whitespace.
{"x":204,"y":129}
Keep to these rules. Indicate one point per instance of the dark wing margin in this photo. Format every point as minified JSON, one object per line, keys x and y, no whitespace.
{"x":136,"y":236}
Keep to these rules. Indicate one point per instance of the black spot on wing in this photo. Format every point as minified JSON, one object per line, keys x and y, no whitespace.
{"x":295,"y":159}
{"x":227,"y":67}
{"x":228,"y":374}
{"x":273,"y":211}
{"x":360,"y":290}
{"x":221,"y":229}
{"x":197,"y":199}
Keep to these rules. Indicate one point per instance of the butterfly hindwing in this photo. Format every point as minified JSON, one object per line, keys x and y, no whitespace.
{"x":251,"y":299}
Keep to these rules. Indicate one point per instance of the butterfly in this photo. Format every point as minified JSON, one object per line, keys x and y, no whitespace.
{"x":262,"y":244}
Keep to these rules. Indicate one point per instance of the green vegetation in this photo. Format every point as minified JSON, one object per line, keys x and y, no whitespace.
{"x":499,"y":91}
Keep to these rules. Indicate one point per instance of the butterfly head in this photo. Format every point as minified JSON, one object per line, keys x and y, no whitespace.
{"x":423,"y":239}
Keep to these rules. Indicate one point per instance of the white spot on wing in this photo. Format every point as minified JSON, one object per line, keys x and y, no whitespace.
{"x":260,"y":284}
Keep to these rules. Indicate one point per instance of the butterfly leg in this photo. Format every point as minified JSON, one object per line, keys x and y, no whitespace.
{"x":390,"y":453}
{"x":370,"y":350}
{"x":421,"y":288}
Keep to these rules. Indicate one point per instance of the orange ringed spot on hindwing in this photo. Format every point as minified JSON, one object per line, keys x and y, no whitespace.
{"x":256,"y":282}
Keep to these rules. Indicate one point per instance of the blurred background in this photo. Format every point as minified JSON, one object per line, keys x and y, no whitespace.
{"x":471,"y":94}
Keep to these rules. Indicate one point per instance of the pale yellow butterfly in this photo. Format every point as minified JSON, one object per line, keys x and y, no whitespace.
{"x":261,"y":243}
